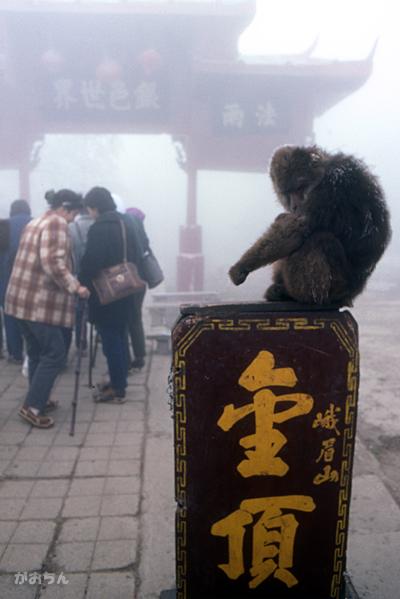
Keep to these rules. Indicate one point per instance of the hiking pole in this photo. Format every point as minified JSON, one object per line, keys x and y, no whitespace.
{"x":82,"y":337}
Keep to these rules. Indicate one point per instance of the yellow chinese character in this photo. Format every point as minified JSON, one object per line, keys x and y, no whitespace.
{"x":273,"y":537}
{"x":327,"y":475}
{"x":264,"y":445}
{"x":328,"y":420}
{"x":328,"y":451}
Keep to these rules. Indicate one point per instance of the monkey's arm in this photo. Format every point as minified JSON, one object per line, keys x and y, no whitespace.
{"x":286,"y":234}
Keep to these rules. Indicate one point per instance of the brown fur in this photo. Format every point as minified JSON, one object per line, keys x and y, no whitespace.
{"x":335,"y":228}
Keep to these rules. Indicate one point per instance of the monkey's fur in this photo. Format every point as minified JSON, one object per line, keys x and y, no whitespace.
{"x":335,"y":228}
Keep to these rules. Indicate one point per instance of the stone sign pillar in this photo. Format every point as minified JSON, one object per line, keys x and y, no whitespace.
{"x":265,"y":399}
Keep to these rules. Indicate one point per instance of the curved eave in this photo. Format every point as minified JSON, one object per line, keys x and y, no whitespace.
{"x":327,"y":83}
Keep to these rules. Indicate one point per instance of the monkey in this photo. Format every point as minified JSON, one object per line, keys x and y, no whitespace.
{"x":335,"y":228}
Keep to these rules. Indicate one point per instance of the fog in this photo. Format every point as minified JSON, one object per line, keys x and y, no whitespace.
{"x":234,"y":208}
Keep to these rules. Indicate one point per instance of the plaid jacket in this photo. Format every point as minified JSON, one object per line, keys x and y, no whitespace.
{"x":41,"y":285}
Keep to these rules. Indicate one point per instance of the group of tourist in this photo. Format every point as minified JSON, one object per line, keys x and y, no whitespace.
{"x":47,"y":268}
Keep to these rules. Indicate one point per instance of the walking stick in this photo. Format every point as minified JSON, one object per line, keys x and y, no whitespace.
{"x":90,"y":382}
{"x":92,"y":354}
{"x":82,"y":335}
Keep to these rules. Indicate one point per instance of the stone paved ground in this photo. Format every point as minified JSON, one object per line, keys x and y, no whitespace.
{"x":99,"y":507}
{"x":72,"y":505}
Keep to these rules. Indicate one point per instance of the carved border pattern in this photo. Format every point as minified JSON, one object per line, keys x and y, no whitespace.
{"x":350,"y":345}
{"x":180,"y":420}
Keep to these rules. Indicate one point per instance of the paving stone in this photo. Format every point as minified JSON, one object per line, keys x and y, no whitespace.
{"x":135,"y":393}
{"x":80,"y":427}
{"x":55,"y":469}
{"x":50,"y":488}
{"x":84,"y":415}
{"x":65,"y":439}
{"x":7,"y":452}
{"x":10,"y":590}
{"x":113,"y":585}
{"x":91,"y":486}
{"x":23,"y":468}
{"x":94,"y":453}
{"x":15,"y":488}
{"x":99,"y":439}
{"x":375,"y":512}
{"x":107,"y":413}
{"x":40,"y":438}
{"x":6,"y":530}
{"x":74,"y":557}
{"x":122,"y":485}
{"x":13,"y":438}
{"x":118,"y":527}
{"x":4,"y":465}
{"x":23,"y":557}
{"x":103,"y":427}
{"x":62,"y":454}
{"x":10,"y":509}
{"x":123,"y":452}
{"x":35,"y":454}
{"x":41,"y":508}
{"x":113,"y":554}
{"x":74,"y":589}
{"x":119,"y":505}
{"x":34,"y":531}
{"x":133,"y":440}
{"x":91,"y":468}
{"x":123,"y":467}
{"x":372,"y":561}
{"x":125,"y":426}
{"x":76,"y":506}
{"x":79,"y":529}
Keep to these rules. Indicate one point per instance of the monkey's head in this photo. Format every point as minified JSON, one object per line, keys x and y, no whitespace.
{"x":295,"y":171}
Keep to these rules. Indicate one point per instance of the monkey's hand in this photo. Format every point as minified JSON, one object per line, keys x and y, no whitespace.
{"x":237,"y":274}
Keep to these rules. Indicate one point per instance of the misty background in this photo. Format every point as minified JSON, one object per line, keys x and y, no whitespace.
{"x":235,"y":208}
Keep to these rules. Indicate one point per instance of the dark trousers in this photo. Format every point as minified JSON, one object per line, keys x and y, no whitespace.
{"x":135,"y":325}
{"x":14,"y":339}
{"x":1,"y":330}
{"x":45,"y":346}
{"x":113,"y":339}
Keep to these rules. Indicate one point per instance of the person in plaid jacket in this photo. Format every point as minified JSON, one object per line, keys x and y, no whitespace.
{"x":41,"y":295}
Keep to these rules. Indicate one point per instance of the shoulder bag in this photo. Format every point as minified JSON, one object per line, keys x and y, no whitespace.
{"x":119,"y":281}
{"x":151,"y":270}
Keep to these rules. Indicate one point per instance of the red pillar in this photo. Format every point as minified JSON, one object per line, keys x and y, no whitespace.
{"x":190,"y":261}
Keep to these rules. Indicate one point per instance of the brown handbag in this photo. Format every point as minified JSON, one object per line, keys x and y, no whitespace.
{"x":119,"y":281}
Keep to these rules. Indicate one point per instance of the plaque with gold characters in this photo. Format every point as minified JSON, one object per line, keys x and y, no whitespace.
{"x":265,"y":399}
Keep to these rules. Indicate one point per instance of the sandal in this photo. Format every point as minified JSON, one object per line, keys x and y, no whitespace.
{"x":38,"y":421}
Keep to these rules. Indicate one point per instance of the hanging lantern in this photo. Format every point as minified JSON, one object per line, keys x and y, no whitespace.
{"x":52,"y":60}
{"x":109,"y":70}
{"x":150,"y":60}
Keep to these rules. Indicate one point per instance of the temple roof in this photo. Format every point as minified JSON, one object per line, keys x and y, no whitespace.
{"x":329,"y":81}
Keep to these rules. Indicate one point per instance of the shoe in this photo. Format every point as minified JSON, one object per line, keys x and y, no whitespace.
{"x":138,"y":363}
{"x":13,"y":360}
{"x":38,"y":421}
{"x":110,"y":395}
{"x":51,"y":405}
{"x":100,"y":388}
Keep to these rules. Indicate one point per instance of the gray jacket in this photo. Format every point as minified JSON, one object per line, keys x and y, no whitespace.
{"x":79,"y":231}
